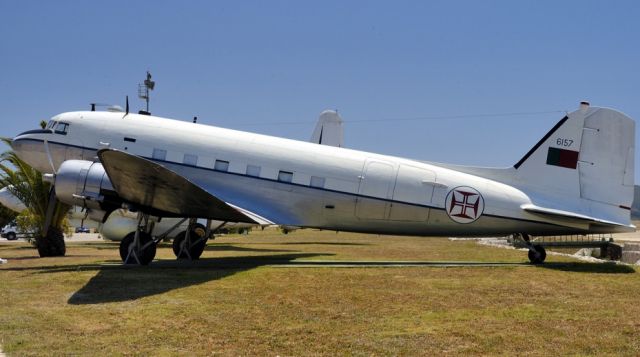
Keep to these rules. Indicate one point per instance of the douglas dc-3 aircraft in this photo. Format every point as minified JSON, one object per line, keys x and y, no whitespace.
{"x":577,"y":179}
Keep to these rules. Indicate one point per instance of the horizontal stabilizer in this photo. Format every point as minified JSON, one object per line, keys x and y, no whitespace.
{"x":160,"y":191}
{"x":570,"y":216}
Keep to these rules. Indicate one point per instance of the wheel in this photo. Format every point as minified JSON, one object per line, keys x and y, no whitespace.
{"x":177,"y":245}
{"x":146,"y":255}
{"x":52,"y":244}
{"x":200,"y":230}
{"x":537,"y":255}
{"x":11,"y":236}
{"x":196,"y":248}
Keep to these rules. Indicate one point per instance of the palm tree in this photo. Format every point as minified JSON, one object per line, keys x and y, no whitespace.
{"x":27,"y":185}
{"x":6,"y":215}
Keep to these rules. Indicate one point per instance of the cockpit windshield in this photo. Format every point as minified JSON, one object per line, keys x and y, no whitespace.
{"x":62,"y":128}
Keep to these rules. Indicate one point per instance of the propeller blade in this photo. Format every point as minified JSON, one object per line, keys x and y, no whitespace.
{"x":46,"y":148}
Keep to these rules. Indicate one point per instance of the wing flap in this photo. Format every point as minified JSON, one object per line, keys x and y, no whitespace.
{"x":154,"y":188}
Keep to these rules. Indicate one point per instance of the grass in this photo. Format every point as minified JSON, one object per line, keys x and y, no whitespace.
{"x":234,"y":301}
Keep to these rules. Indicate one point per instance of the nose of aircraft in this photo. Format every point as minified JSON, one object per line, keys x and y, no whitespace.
{"x":30,"y":148}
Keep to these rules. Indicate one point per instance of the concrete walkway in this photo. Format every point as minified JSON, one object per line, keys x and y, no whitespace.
{"x":627,"y":237}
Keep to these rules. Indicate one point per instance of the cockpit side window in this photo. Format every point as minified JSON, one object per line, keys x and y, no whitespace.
{"x":62,"y":128}
{"x":51,"y":124}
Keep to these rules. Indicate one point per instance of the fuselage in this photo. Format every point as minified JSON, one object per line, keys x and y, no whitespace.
{"x":299,"y":183}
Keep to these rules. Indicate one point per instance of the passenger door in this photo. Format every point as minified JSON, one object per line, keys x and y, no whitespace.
{"x":375,"y":188}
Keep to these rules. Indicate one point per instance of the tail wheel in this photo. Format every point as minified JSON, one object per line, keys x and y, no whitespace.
{"x":128,"y":251}
{"x":537,"y":254}
{"x":198,"y":243}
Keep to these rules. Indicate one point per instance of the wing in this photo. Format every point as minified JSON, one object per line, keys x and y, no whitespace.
{"x":160,"y":191}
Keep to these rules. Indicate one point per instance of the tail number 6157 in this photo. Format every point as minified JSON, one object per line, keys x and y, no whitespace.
{"x":564,"y":142}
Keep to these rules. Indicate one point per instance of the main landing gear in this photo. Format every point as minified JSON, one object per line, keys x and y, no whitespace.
{"x":537,"y":253}
{"x":191,"y":243}
{"x":139,"y":247}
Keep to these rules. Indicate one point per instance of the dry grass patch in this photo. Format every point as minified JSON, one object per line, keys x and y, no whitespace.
{"x":234,"y":302}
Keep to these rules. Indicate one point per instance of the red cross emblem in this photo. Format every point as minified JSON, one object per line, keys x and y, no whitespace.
{"x":464,"y":204}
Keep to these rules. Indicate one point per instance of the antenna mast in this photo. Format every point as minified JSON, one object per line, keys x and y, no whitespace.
{"x":144,"y":88}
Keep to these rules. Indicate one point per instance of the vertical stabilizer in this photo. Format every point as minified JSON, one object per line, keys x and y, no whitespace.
{"x":329,"y":130}
{"x":588,"y":155}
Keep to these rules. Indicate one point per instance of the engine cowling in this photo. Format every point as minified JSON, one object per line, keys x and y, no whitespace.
{"x":86,"y":184}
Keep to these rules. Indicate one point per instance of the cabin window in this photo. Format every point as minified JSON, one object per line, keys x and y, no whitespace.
{"x":253,"y":170}
{"x":159,"y":154}
{"x":317,"y":181}
{"x":131,"y":140}
{"x":190,"y":159}
{"x":221,"y":165}
{"x":62,"y":128}
{"x":285,"y":176}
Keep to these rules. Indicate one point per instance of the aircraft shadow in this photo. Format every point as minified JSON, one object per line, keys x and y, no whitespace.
{"x":324,"y":243}
{"x":120,"y":283}
{"x":18,"y":247}
{"x":587,"y":267}
{"x":233,"y":248}
{"x":99,"y":245}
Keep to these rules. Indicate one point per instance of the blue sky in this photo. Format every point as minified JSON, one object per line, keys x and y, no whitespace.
{"x":273,"y":66}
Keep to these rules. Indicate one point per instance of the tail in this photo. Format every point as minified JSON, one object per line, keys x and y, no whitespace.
{"x":585,"y":161}
{"x":329,"y":129}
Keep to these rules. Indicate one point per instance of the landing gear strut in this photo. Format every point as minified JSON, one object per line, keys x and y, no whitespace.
{"x":191,"y":243}
{"x":138,"y":247}
{"x":537,"y":253}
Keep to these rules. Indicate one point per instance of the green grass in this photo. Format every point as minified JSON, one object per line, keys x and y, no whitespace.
{"x":235,"y":302}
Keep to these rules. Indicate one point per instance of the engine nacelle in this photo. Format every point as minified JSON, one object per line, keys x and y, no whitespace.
{"x":86,"y":184}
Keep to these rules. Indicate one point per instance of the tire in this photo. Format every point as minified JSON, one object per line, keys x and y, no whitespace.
{"x":200,"y":230}
{"x":146,"y":255}
{"x":196,"y":249}
{"x":11,"y":236}
{"x":52,"y":244}
{"x":537,"y":255}
{"x":177,"y":242}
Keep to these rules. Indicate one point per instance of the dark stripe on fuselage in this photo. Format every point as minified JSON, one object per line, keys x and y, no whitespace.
{"x":301,"y":185}
{"x":36,"y":131}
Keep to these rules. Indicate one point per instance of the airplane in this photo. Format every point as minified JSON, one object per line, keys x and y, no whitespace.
{"x":10,"y":201}
{"x":578,"y":179}
{"x":119,"y":223}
